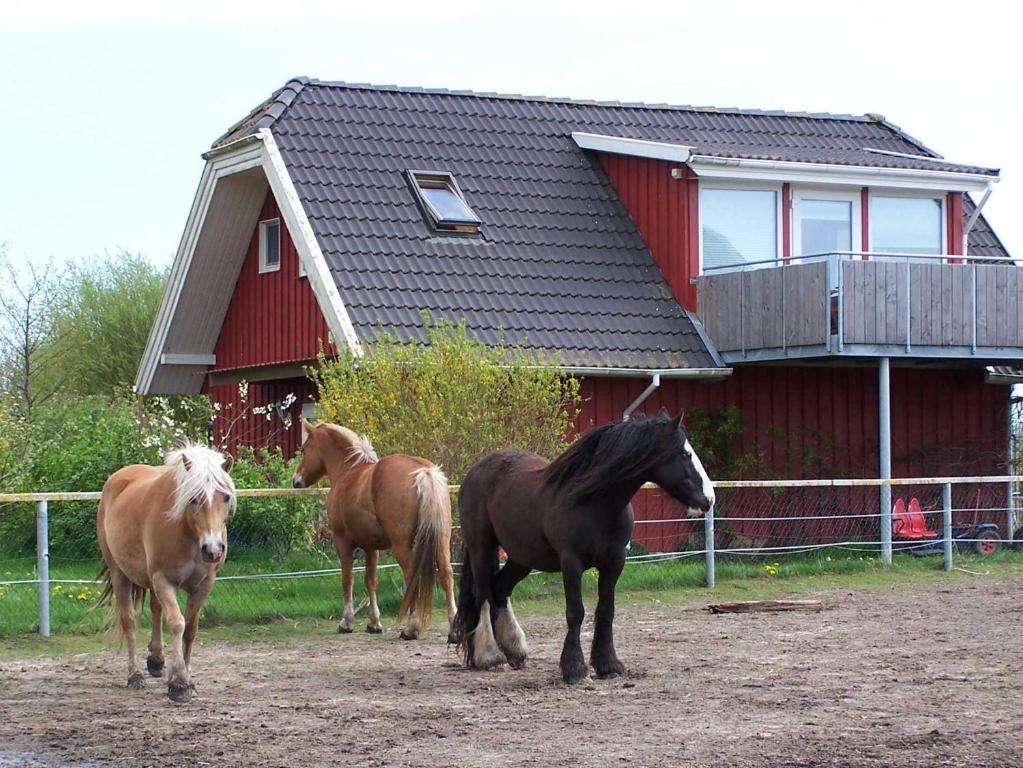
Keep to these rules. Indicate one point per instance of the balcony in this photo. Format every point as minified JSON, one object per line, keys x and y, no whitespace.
{"x":865,"y":305}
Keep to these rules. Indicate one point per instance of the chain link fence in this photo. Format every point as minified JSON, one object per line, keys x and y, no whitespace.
{"x":281,"y":564}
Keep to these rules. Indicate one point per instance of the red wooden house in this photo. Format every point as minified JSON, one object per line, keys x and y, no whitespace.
{"x":829,"y":275}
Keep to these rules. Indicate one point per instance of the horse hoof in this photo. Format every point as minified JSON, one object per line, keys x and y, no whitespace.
{"x":613,"y":671}
{"x":574,"y":673}
{"x":517,"y":663}
{"x":343,"y":630}
{"x":374,"y":630}
{"x":155,"y":666}
{"x":453,"y":638}
{"x":180,"y":693}
{"x":406,"y":635}
{"x":137,"y":681}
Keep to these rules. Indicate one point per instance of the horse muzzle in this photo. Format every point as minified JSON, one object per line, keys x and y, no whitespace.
{"x":212,"y":551}
{"x":297,"y":481}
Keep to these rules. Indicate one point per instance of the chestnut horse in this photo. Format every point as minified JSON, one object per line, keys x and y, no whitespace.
{"x":567,"y":515}
{"x":162,"y":529}
{"x":399,"y":503}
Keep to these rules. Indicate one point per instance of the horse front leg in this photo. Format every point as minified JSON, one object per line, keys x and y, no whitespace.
{"x":602,"y":654}
{"x":344,"y":549}
{"x":573,"y":665}
{"x":179,"y":686}
{"x":192,"y":608}
{"x":154,"y":662}
{"x":372,"y":557}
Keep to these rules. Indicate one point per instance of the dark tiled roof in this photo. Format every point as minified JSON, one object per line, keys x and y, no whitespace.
{"x":559,"y":265}
{"x":982,"y":239}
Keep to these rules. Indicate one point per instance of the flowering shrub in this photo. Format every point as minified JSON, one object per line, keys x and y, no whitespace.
{"x":452,"y":400}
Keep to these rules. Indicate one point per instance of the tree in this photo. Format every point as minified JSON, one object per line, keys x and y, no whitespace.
{"x":104,"y":320}
{"x":30,"y":344}
{"x":451,"y":400}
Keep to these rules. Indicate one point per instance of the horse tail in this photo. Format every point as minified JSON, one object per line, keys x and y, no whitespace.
{"x":106,"y":598}
{"x":433,"y":530}
{"x":468,"y":615}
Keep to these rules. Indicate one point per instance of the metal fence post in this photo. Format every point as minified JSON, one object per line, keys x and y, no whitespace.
{"x":708,"y":545}
{"x":946,"y":518}
{"x":43,"y":565}
{"x":885,"y":446}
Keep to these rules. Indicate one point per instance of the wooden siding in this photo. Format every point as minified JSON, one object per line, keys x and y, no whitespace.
{"x":1000,"y":306}
{"x":666,"y":212}
{"x":823,"y":422}
{"x":766,"y":308}
{"x":273,"y":317}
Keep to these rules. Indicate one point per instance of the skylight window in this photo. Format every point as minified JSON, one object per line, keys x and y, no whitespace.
{"x":443,"y":203}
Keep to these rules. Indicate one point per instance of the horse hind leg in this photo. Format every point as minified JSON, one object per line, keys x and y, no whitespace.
{"x":124,"y":596}
{"x":447,"y":579}
{"x":374,"y":626}
{"x":483,"y":650}
{"x":411,"y":630}
{"x":154,"y":662}
{"x":507,"y":630}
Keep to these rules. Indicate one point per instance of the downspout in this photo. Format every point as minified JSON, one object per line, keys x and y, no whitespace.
{"x":973,"y":220}
{"x":655,"y":382}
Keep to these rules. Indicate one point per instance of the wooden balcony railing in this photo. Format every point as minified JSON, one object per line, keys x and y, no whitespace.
{"x":863,"y":304}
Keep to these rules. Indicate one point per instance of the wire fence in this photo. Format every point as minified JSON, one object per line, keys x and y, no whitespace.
{"x":281,"y":564}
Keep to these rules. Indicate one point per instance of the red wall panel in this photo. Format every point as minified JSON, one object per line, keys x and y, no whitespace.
{"x":273,"y":317}
{"x":666,"y":212}
{"x":237,"y":424}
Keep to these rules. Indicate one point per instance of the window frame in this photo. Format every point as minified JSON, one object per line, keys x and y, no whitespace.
{"x":442,"y":180}
{"x":264,"y":267}
{"x":840,"y":194}
{"x":926,"y":194}
{"x":741,"y":186}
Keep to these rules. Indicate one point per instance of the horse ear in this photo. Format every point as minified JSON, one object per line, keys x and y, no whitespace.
{"x":663,"y":413}
{"x":188,"y":464}
{"x":307,"y":426}
{"x":228,"y":464}
{"x":677,"y":421}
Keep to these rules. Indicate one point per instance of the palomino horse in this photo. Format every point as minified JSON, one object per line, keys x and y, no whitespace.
{"x":162,"y":529}
{"x":398,"y":502}
{"x":567,"y":515}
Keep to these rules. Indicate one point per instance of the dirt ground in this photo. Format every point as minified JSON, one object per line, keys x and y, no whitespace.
{"x":927,"y":676}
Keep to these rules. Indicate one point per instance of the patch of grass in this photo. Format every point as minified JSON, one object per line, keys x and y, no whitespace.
{"x":289,"y":608}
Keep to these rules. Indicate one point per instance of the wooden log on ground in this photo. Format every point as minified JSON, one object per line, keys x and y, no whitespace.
{"x":751,"y":606}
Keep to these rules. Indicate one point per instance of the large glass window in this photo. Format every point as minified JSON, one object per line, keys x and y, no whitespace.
{"x":740,"y":226}
{"x":905,"y":224}
{"x":825,"y":226}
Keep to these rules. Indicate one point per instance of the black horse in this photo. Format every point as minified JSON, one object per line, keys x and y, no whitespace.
{"x":567,"y":515}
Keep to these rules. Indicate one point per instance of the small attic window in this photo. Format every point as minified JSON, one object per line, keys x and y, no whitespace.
{"x":270,"y":245}
{"x":443,"y":202}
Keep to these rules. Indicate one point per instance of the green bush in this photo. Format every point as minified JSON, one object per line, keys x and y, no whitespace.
{"x":279,"y":524}
{"x":451,"y":400}
{"x":75,"y":444}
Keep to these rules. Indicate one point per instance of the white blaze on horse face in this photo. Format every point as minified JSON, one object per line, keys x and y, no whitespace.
{"x":708,"y":488}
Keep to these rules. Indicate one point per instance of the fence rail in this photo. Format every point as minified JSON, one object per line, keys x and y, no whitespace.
{"x":753,"y":518}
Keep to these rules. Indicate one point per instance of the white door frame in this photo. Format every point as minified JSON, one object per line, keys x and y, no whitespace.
{"x":823,"y":193}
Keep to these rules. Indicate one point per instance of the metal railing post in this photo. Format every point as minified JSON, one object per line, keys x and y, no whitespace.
{"x":708,"y":545}
{"x":946,"y":523}
{"x":43,"y":565}
{"x":885,"y":446}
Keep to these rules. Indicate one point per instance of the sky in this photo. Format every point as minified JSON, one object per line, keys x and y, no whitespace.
{"x":106,"y":107}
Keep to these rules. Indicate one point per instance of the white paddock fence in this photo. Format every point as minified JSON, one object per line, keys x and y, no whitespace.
{"x":760,"y":518}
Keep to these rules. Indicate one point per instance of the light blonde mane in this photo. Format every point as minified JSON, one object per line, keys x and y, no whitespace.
{"x":205,"y":478}
{"x":362,"y":449}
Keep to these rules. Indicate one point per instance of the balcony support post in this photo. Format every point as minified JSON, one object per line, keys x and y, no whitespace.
{"x":885,"y":450}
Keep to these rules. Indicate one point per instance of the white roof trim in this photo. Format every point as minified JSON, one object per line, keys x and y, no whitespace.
{"x":256,"y":151}
{"x":707,"y":166}
{"x":247,"y":155}
{"x":320,"y":280}
{"x":655,"y":150}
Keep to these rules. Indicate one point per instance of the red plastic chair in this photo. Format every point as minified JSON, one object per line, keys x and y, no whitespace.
{"x":910,"y":523}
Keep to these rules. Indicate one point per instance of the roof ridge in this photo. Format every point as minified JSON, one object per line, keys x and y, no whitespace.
{"x":801,"y":114}
{"x":898,"y":131}
{"x":267,"y":113}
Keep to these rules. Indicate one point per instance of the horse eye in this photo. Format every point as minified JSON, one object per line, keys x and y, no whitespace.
{"x":227,"y":498}
{"x":195,"y":500}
